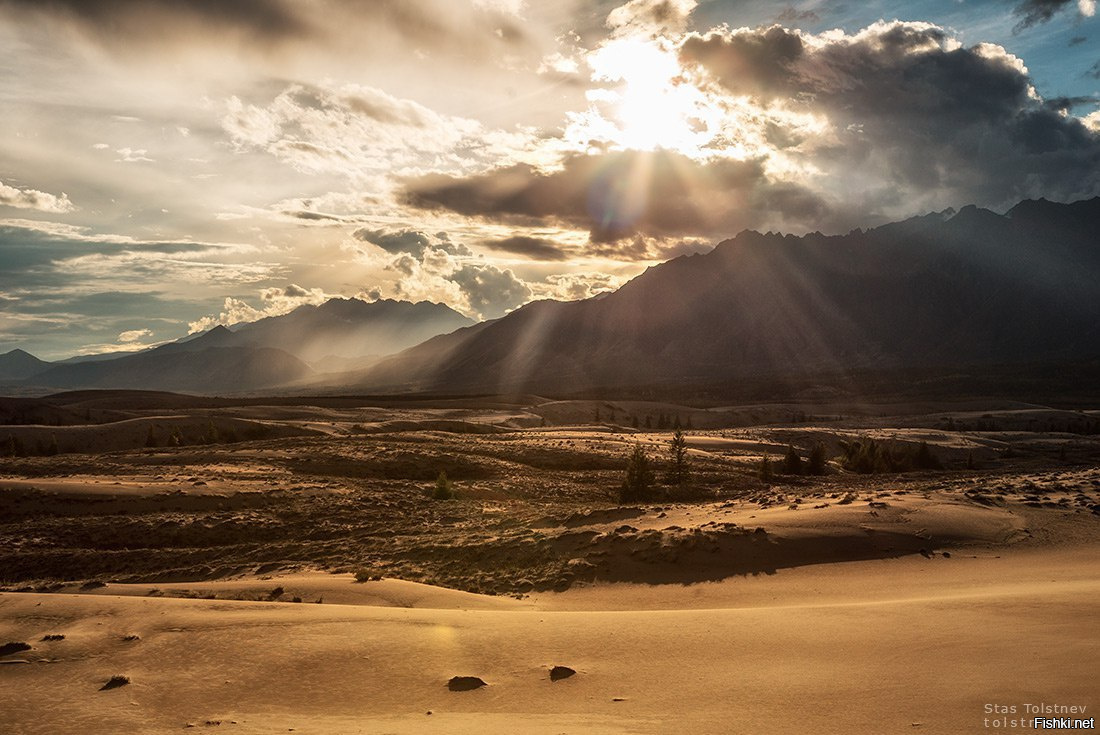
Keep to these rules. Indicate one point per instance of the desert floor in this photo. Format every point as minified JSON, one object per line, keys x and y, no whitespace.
{"x":306,"y":581}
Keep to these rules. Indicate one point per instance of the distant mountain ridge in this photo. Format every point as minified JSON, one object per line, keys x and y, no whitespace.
{"x":19,"y":364}
{"x":955,"y":288}
{"x":351,"y":328}
{"x":261,"y":355}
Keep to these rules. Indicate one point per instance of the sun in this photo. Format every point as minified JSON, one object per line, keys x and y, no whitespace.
{"x":650,"y":105}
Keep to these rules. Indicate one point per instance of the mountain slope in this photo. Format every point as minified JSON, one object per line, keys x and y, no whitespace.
{"x":350,"y":328}
{"x":19,"y":364}
{"x":948,"y":289}
{"x":204,"y":368}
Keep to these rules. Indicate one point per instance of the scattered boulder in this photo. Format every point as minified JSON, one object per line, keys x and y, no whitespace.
{"x":13,"y":647}
{"x":115,"y":682}
{"x":561,"y":672}
{"x":465,"y":683}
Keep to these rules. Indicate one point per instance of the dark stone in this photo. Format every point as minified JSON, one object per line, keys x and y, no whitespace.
{"x":465,"y":683}
{"x":561,"y":672}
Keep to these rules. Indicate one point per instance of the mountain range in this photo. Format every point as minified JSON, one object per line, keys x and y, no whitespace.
{"x":937,"y":292}
{"x":946,"y":291}
{"x":269,"y":353}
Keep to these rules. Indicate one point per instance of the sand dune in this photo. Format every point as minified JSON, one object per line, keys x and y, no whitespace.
{"x":904,"y":645}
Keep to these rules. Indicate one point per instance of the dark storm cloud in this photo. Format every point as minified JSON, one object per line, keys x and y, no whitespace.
{"x":617,"y":195}
{"x":912,"y":117}
{"x":263,"y":20}
{"x":430,"y":24}
{"x":929,"y":113}
{"x":530,"y":247}
{"x":411,"y":242}
{"x":1034,"y":12}
{"x":1077,"y":40}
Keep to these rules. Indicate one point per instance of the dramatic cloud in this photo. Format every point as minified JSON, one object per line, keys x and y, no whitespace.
{"x":11,"y":196}
{"x":363,"y":133}
{"x":814,"y":132}
{"x":412,"y":242}
{"x":490,"y":291}
{"x":486,"y":152}
{"x":575,"y":286}
{"x":650,"y":17}
{"x":452,"y":26}
{"x":273,"y":302}
{"x":914,"y":112}
{"x":262,"y":20}
{"x":619,"y":194}
{"x":535,"y":248}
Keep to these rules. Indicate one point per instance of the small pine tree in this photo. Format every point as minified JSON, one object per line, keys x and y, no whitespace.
{"x":970,"y":460}
{"x":634,"y":421}
{"x":766,"y":468}
{"x":638,"y":479}
{"x":597,"y":414}
{"x":676,"y":424}
{"x":648,"y":421}
{"x":177,"y":437}
{"x":443,"y":489}
{"x":677,"y":448}
{"x":52,"y":448}
{"x":817,"y":461}
{"x":792,"y":463}
{"x":151,"y":437}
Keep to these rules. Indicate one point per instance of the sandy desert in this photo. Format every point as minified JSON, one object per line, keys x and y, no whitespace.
{"x":311,"y":583}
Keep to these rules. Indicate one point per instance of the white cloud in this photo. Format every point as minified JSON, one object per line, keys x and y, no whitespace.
{"x":273,"y":302}
{"x":361,"y":132}
{"x":134,"y":335}
{"x":11,"y":196}
{"x":133,"y":155}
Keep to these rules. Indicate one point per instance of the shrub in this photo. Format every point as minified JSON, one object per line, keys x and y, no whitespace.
{"x":443,"y":488}
{"x":638,"y":479}
{"x":765,"y":468}
{"x":817,"y":463}
{"x":792,"y":463}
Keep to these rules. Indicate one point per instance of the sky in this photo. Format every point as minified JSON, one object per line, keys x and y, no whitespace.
{"x":170,"y":165}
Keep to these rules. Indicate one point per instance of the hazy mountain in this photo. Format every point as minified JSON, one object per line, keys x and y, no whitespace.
{"x":203,"y":365}
{"x":261,"y":355}
{"x":939,"y":291}
{"x":19,"y":364}
{"x":350,"y":328}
